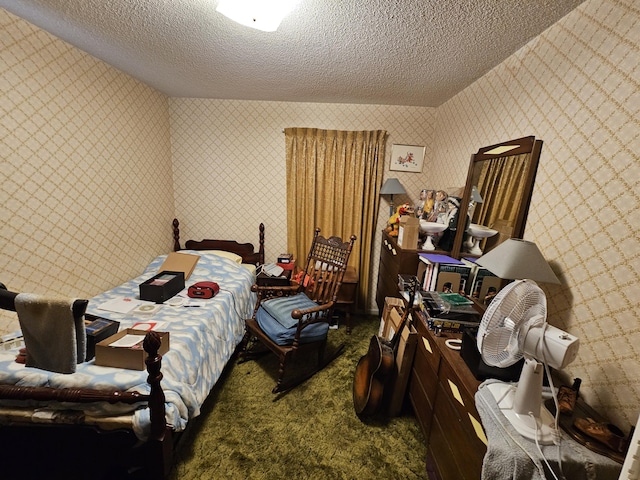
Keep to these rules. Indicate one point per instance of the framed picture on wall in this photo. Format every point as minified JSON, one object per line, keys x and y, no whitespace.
{"x":407,"y":158}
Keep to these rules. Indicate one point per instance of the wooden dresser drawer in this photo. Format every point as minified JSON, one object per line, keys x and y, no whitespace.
{"x":465,"y":407}
{"x":454,"y":452}
{"x":423,"y":385}
{"x":422,"y":405}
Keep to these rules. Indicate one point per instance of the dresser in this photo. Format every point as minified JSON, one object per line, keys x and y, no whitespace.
{"x":394,"y":260}
{"x":441,"y":391}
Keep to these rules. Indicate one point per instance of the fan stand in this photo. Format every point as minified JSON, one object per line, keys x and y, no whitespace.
{"x":516,"y":403}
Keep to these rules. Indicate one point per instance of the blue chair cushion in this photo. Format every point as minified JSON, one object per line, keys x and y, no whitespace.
{"x":280,"y":308}
{"x":274,"y":318}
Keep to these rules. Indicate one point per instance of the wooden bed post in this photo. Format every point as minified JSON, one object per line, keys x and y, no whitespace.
{"x":176,"y":235}
{"x":261,"y":247}
{"x":160,"y":439}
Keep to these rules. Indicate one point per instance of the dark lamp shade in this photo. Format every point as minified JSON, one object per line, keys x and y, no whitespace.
{"x":392,"y":186}
{"x":517,"y":259}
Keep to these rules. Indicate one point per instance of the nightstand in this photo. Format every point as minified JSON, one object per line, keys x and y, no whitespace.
{"x":348,"y":294}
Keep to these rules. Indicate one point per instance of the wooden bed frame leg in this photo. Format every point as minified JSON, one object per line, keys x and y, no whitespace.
{"x":160,"y":438}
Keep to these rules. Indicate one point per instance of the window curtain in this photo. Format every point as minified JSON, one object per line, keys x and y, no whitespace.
{"x":333,"y":183}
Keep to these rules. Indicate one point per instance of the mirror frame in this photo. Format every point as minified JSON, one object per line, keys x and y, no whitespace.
{"x":518,"y":146}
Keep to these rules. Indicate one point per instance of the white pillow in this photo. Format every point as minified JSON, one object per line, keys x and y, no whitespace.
{"x":222,"y":253}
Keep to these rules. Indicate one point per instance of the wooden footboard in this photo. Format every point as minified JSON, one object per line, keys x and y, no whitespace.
{"x":158,"y":449}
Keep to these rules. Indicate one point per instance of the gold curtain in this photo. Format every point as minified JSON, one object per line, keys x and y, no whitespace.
{"x":333,"y":180}
{"x":500,"y":196}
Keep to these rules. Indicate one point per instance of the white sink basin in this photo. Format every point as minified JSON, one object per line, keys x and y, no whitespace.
{"x":430,"y":228}
{"x":476,"y":234}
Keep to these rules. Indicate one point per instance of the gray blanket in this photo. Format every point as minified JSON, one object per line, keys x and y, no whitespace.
{"x":511,"y":456}
{"x":55,"y":340}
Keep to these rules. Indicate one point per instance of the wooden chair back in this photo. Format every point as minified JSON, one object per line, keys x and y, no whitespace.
{"x":326,"y":263}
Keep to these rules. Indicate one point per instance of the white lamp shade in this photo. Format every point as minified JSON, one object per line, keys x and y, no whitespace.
{"x":518,"y":259}
{"x":264,"y":15}
{"x":392,"y":186}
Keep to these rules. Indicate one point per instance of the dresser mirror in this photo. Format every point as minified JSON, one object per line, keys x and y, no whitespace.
{"x":497,"y":196}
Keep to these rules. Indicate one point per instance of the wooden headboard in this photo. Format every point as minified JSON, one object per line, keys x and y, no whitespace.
{"x":245,"y":250}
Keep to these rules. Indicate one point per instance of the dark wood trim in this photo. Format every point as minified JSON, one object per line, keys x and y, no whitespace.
{"x":245,"y":250}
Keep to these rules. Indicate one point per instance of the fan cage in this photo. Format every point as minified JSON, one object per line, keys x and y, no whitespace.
{"x":504,"y":326}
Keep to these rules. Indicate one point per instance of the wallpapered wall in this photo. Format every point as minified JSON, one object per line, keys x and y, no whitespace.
{"x":229,"y":162}
{"x":575,"y":87}
{"x":86,"y":188}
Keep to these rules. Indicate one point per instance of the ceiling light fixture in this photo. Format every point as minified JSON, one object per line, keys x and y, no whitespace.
{"x":264,"y":15}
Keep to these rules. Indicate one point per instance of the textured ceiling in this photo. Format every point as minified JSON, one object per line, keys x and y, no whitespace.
{"x":399,"y":52}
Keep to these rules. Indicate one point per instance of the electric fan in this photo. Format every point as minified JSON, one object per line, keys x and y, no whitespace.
{"x":514,"y":326}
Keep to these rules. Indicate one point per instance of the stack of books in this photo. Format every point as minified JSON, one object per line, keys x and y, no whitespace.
{"x":444,"y":274}
{"x":478,"y":287}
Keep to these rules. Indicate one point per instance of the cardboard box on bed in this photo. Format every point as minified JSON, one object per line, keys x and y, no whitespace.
{"x":162,"y":287}
{"x":180,"y":262}
{"x":131,"y":358}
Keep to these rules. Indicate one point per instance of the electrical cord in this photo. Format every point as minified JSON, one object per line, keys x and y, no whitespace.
{"x":233,"y":299}
{"x":535,"y":421}
{"x":554,"y":395}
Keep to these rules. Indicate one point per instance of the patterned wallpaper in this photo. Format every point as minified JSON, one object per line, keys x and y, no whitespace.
{"x":86,"y":181}
{"x":575,"y":87}
{"x":229,"y":162}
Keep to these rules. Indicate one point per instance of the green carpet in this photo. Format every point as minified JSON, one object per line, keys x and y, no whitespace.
{"x":310,"y":432}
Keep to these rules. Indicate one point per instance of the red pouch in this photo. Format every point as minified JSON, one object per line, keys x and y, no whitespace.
{"x":203,"y":290}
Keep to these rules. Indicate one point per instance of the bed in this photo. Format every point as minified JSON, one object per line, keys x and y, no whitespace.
{"x":131,"y":418}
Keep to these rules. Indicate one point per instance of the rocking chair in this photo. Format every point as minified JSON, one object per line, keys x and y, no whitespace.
{"x":293,"y":321}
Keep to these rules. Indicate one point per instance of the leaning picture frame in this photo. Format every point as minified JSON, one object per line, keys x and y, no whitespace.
{"x":407,"y":158}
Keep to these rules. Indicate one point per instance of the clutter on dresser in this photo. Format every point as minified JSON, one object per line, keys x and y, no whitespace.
{"x":592,"y":430}
{"x":454,"y":309}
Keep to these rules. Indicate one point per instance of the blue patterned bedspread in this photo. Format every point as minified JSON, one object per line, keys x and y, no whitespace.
{"x":202,"y":341}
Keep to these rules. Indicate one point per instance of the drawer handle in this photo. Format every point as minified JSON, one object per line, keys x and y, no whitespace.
{"x":477,"y":427}
{"x":427,"y":345}
{"x":455,"y":392}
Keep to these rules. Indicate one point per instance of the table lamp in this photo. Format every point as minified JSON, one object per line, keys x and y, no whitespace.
{"x":392,"y":186}
{"x":518,"y":259}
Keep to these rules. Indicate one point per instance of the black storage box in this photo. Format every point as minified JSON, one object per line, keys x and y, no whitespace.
{"x":470,"y":354}
{"x":98,"y":329}
{"x":162,"y":287}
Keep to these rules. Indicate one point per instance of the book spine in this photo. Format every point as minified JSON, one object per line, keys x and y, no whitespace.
{"x":477,"y":281}
{"x":427,"y":277}
{"x":463,"y":270}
